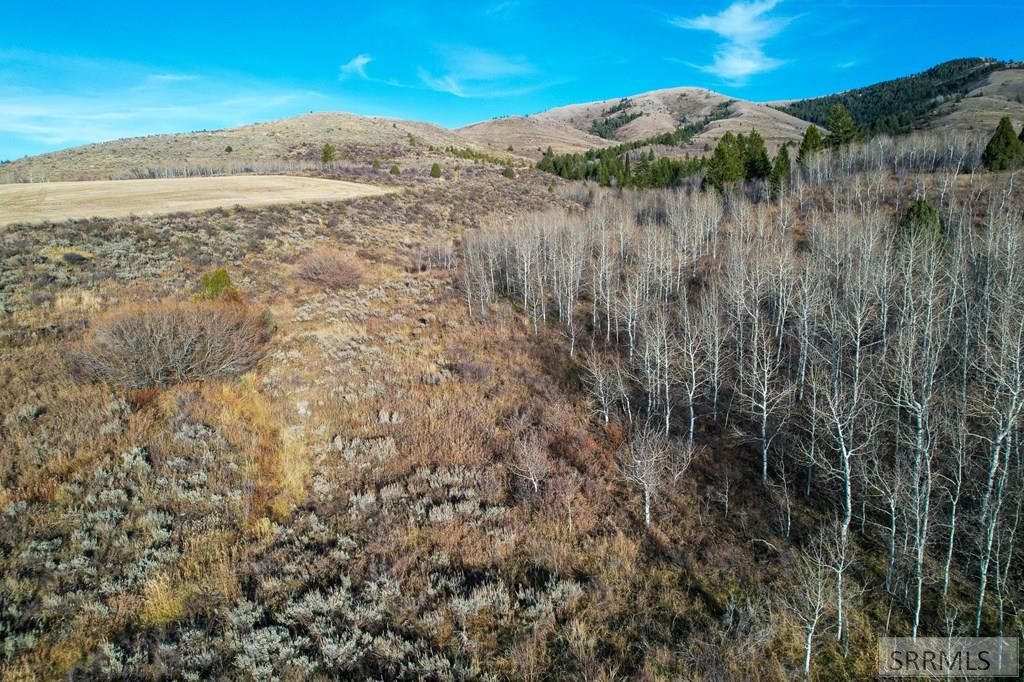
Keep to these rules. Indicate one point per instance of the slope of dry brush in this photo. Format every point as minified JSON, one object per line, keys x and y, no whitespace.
{"x":172,"y":343}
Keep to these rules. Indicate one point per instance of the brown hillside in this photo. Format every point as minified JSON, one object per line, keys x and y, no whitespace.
{"x":1000,"y":93}
{"x":663,"y":111}
{"x":529,"y":136}
{"x":271,"y":146}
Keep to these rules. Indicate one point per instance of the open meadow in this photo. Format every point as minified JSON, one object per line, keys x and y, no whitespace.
{"x":56,"y":201}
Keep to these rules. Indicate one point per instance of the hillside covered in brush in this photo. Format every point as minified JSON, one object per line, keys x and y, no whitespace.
{"x":902,"y":104}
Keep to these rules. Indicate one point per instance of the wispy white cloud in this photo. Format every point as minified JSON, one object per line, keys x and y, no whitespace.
{"x":745,"y":28}
{"x":472,"y":72}
{"x":49,"y":101}
{"x":849,"y":64}
{"x":355,"y":67}
{"x":502,"y":6}
{"x":171,"y":77}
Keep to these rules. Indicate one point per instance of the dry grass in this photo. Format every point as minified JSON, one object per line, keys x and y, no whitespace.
{"x":291,"y":144}
{"x":356,"y":485}
{"x":101,"y":198}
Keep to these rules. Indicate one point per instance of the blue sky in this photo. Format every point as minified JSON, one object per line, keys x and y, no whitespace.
{"x":85,"y":71}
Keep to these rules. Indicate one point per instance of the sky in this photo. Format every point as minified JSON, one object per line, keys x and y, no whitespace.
{"x":86,"y":71}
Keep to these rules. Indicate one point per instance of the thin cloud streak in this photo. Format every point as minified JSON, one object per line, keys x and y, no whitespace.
{"x":745,"y":28}
{"x":99,"y":101}
{"x":469,"y":72}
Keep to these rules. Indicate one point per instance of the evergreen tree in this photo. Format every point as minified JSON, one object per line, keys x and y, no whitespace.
{"x":1021,"y":136}
{"x":921,"y":218}
{"x":1004,"y":151}
{"x":726,"y":165}
{"x":809,"y":145}
{"x":781,"y":169}
{"x":842,"y":129}
{"x":757,"y":165}
{"x":327,"y":154}
{"x":435,"y":170}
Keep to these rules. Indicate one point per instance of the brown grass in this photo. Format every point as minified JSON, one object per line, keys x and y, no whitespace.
{"x":138,"y":347}
{"x":33,"y":202}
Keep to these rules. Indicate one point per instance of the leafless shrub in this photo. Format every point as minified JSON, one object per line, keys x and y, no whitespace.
{"x":530,"y":462}
{"x":172,"y":343}
{"x":438,"y":255}
{"x":331,"y":269}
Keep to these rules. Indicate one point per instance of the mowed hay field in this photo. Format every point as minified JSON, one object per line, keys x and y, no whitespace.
{"x":35,"y":202}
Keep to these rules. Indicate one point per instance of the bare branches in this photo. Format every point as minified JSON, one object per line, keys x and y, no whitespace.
{"x":644,"y":463}
{"x":530,"y":462}
{"x":331,"y":269}
{"x":172,"y":343}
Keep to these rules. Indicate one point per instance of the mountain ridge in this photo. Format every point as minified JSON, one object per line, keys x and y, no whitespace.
{"x":295,"y":143}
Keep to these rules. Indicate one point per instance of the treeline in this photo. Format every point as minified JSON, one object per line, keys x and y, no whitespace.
{"x":474,"y":155}
{"x":876,"y":364}
{"x":897,"y":106}
{"x":616,"y":166}
{"x":611,"y":167}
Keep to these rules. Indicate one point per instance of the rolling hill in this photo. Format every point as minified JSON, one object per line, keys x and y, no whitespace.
{"x":274,"y":145}
{"x":963,"y":93}
{"x":578,"y":127}
{"x":997,"y":94}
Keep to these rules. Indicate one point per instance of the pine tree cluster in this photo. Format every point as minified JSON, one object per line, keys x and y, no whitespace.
{"x":1005,"y":151}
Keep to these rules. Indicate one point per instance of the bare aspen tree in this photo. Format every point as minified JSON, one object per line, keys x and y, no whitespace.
{"x":690,"y":363}
{"x":602,"y":378}
{"x":806,"y":308}
{"x":886,"y":477}
{"x":654,"y":363}
{"x":630,"y":307}
{"x":914,"y":365}
{"x":1000,"y":368}
{"x":567,"y":269}
{"x":1003,"y":557}
{"x":810,"y":598}
{"x":956,"y":465}
{"x":681,"y":457}
{"x":644,"y":462}
{"x":708,"y":212}
{"x":566,"y":489}
{"x":713,"y":340}
{"x":850,"y":423}
{"x":530,"y":462}
{"x":604,"y":276}
{"x":767,"y":392}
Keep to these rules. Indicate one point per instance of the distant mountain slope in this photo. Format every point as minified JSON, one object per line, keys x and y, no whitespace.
{"x":579,"y":127}
{"x":903,"y":104}
{"x":528,"y":136}
{"x":998,"y":94}
{"x":287,"y":141}
{"x":965,"y":94}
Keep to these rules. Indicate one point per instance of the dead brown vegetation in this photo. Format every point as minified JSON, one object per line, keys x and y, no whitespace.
{"x":171,"y":343}
{"x":331,"y":269}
